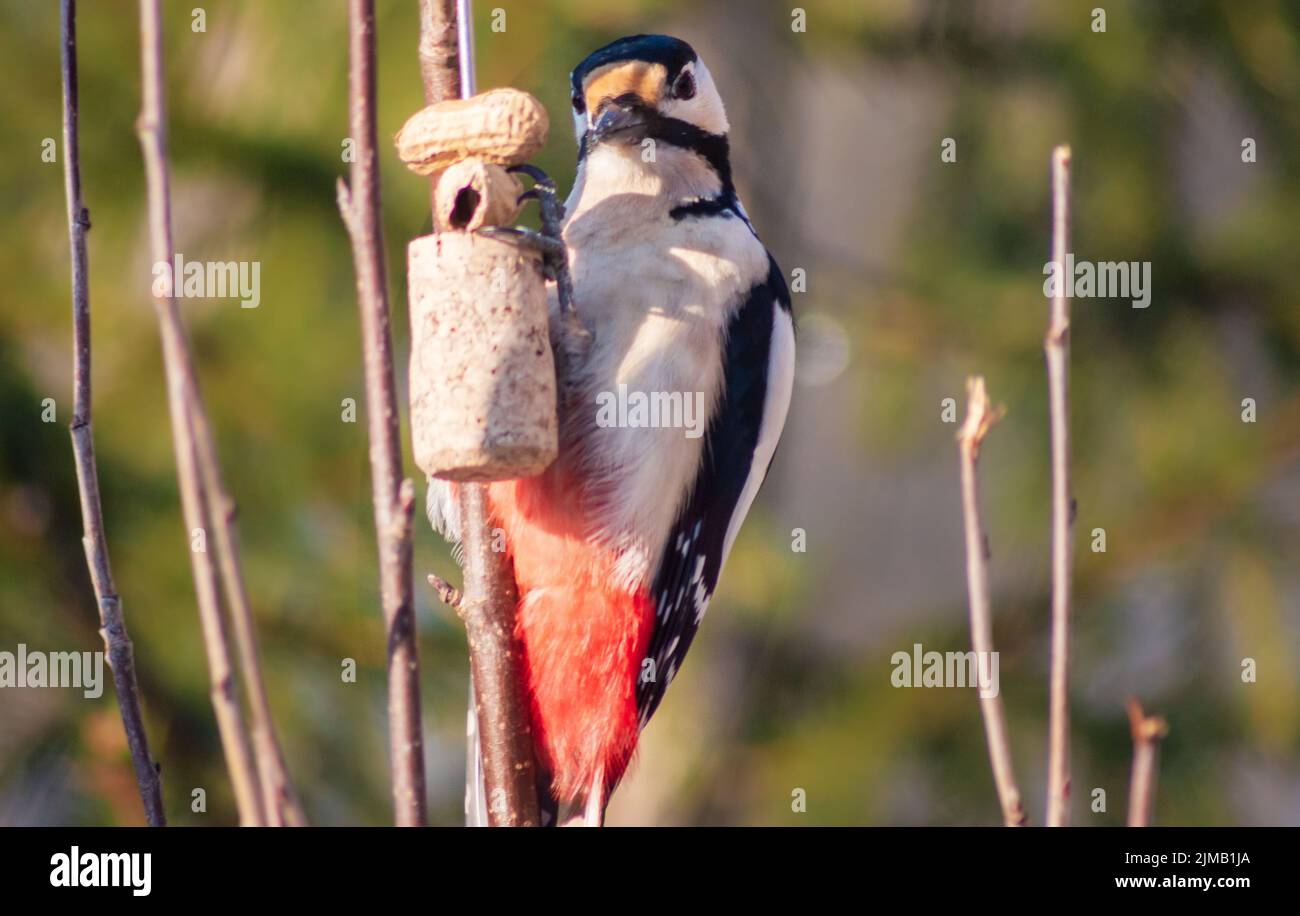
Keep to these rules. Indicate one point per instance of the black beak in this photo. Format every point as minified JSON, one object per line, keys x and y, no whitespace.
{"x":625,"y":119}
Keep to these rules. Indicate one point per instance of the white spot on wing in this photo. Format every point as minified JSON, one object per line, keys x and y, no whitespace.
{"x":702,"y":596}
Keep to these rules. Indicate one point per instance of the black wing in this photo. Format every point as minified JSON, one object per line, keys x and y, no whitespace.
{"x":692,"y":558}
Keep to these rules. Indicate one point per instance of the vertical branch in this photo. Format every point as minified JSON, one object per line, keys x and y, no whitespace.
{"x":487,"y":607}
{"x":393,"y":495}
{"x":1057,"y":347}
{"x":112,"y":623}
{"x":979,"y":420}
{"x":439,"y":61}
{"x":202,"y":499}
{"x":1147,"y":732}
{"x":489,"y":601}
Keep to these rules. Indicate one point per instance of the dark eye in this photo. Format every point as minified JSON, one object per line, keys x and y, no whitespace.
{"x":578,"y":106}
{"x":684,"y":88}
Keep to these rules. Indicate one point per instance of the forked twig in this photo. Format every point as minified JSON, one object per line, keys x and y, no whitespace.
{"x":263,"y":791}
{"x":489,"y":602}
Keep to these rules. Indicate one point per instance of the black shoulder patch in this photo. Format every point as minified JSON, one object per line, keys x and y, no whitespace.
{"x":780,"y":290}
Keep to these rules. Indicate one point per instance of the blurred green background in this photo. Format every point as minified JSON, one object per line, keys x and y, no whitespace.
{"x":919,"y":272}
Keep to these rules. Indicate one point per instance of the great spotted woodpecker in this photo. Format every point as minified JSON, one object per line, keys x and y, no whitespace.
{"x":618,"y":546}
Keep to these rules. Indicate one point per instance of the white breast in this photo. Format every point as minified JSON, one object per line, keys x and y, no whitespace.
{"x":658,"y":294}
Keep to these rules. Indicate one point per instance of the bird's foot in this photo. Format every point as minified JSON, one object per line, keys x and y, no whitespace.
{"x":551,"y":249}
{"x":552,"y":214}
{"x":571,"y":339}
{"x":543,"y":191}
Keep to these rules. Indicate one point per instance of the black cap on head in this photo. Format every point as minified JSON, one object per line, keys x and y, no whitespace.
{"x":673,"y":53}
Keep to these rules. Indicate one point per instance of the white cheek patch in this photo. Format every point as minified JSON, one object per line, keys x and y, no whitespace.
{"x":704,"y":109}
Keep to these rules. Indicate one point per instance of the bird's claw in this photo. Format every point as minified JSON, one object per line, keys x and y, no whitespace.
{"x":573,"y":338}
{"x":543,"y":191}
{"x":540,"y":178}
{"x":549,"y":241}
{"x":550,"y":248}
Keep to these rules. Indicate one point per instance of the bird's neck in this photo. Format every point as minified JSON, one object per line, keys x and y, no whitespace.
{"x":652,"y":179}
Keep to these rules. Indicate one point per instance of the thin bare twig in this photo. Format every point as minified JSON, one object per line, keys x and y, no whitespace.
{"x":117,"y":641}
{"x":448,"y":594}
{"x":393,"y":495}
{"x":1057,"y":347}
{"x":979,"y":420}
{"x":280,"y":804}
{"x":489,"y":600}
{"x":263,"y":792}
{"x":1147,"y":733}
{"x":279,"y":798}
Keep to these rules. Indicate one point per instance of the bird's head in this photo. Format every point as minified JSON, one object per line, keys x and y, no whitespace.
{"x":645,"y":86}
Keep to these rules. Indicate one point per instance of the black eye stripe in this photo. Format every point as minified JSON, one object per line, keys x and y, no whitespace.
{"x":577,"y":103}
